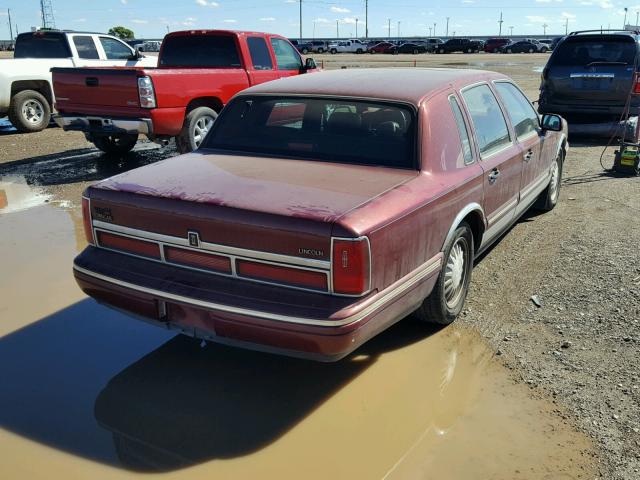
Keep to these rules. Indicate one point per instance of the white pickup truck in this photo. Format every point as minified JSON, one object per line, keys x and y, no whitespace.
{"x":347,"y":46}
{"x":26,"y":94}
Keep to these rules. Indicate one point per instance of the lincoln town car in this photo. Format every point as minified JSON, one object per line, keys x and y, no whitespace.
{"x":321,"y":209}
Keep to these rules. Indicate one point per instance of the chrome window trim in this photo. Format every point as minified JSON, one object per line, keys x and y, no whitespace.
{"x":404,"y":284}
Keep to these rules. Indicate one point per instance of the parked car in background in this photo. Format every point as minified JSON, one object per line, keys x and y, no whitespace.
{"x":432,"y":44}
{"x":589,"y":77}
{"x":149,"y":46}
{"x":304,"y":47}
{"x":460,"y":45}
{"x":322,"y":209}
{"x":198,"y":72}
{"x":319,"y":46}
{"x":413,"y":48}
{"x":547,"y":42}
{"x":522,"y":46}
{"x":26,"y":92}
{"x":347,"y":46}
{"x":382,"y":47}
{"x":493,"y":45}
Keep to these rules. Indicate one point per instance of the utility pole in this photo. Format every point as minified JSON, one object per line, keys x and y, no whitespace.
{"x":389,"y":27}
{"x":500,"y":22}
{"x":314,"y":30}
{"x":398,"y":32}
{"x":429,"y":31}
{"x":624,"y":23}
{"x":356,"y":28}
{"x":10,"y":26}
{"x":300,"y":21}
{"x":366,"y":18}
{"x":544,"y":29}
{"x":566,"y":26}
{"x":511,"y":31}
{"x":637,"y":13}
{"x":337,"y":29}
{"x":434,"y":29}
{"x":447,"y":31}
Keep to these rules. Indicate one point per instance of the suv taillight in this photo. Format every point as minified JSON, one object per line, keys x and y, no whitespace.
{"x":146,"y":93}
{"x":86,"y":220}
{"x":351,"y":266}
{"x":636,"y":84}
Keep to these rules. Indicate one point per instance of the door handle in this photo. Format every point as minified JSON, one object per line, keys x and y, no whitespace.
{"x":528,"y":156}
{"x":493,"y":176}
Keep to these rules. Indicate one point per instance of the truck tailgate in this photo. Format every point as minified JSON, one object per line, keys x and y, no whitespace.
{"x":110,"y":87}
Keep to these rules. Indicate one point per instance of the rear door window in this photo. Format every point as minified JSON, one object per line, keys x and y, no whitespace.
{"x":286,"y":56}
{"x":462,"y":130}
{"x":489,"y":123}
{"x":86,"y":47}
{"x":577,"y":51}
{"x":259,"y":51}
{"x":115,"y":50}
{"x":42,"y":45}
{"x":523,"y":117}
{"x":213,"y":51}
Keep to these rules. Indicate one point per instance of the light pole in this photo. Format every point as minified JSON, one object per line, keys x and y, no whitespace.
{"x":356,"y":28}
{"x":637,"y":13}
{"x":389,"y":27}
{"x":624,"y":24}
{"x":429,"y":31}
{"x":366,"y":18}
{"x":511,"y":31}
{"x":314,"y":30}
{"x":398,"y":32}
{"x":447,"y":31}
{"x":500,"y":22}
{"x":300,"y":21}
{"x":566,"y":26}
{"x":544,"y":29}
{"x":434,"y":29}
{"x":10,"y":26}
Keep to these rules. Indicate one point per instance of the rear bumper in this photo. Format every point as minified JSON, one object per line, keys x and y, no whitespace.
{"x":308,"y":325}
{"x":105,"y":125}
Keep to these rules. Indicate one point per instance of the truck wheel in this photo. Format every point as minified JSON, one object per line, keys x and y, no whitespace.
{"x":305,"y":51}
{"x":333,"y":51}
{"x":114,"y":144}
{"x":320,"y":50}
{"x":359,"y":51}
{"x":196,"y":126}
{"x":29,"y":111}
{"x":447,"y":298}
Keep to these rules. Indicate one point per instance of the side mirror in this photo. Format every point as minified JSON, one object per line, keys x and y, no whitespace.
{"x":309,"y":64}
{"x":552,"y":122}
{"x":136,"y":55}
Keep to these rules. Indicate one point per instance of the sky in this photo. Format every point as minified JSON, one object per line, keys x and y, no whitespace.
{"x":322,"y":18}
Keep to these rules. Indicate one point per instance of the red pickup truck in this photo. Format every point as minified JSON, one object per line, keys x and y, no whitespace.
{"x":198,"y":72}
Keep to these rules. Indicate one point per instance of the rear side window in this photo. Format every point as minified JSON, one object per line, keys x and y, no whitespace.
{"x":286,"y":56}
{"x":462,"y":130}
{"x":86,"y":47}
{"x":523,"y":117}
{"x":42,"y":45}
{"x":259,"y":53}
{"x":200,"y":51}
{"x":114,"y":50}
{"x":577,"y":51}
{"x":489,"y":123}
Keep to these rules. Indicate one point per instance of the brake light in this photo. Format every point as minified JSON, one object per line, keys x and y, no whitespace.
{"x":636,"y":84}
{"x":146,"y":92}
{"x":351,"y":265}
{"x":86,"y":220}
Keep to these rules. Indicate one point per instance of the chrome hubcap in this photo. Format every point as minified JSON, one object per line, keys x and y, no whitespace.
{"x":454,"y":273}
{"x":553,"y":185}
{"x":33,"y":111}
{"x":203,"y":124}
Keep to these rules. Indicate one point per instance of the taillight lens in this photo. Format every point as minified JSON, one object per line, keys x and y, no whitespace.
{"x":86,"y":220}
{"x":636,"y":84}
{"x":351,"y":266}
{"x":146,"y":93}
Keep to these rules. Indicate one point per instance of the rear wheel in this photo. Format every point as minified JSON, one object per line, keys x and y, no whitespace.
{"x":509,"y":50}
{"x":114,"y":144}
{"x":372,"y":52}
{"x":447,"y":298}
{"x":549,"y":198}
{"x":531,"y":50}
{"x":334,"y":51}
{"x":321,"y":50}
{"x":305,"y":51}
{"x":196,"y":126}
{"x":544,"y":50}
{"x":441,"y":50}
{"x":469,"y":50}
{"x":29,"y":111}
{"x":415,"y":51}
{"x":359,"y":51}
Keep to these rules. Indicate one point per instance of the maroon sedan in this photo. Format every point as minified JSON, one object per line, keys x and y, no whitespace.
{"x":321,"y":209}
{"x":382,"y":47}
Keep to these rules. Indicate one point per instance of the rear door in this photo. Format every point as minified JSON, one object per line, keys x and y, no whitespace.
{"x":86,"y":53}
{"x":501,"y":158}
{"x":288,"y":60}
{"x":597,"y":69}
{"x":261,"y":68}
{"x":115,"y":52}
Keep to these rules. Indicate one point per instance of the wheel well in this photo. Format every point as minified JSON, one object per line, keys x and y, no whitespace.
{"x":476,"y":222}
{"x":212,"y":102}
{"x":41,"y":86}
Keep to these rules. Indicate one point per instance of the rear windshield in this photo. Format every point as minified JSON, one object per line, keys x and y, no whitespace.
{"x":583,"y":52}
{"x":42,"y":45}
{"x":332,"y":130}
{"x":200,"y":51}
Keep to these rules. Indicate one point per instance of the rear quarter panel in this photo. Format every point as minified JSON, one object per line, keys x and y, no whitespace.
{"x":407,"y":226}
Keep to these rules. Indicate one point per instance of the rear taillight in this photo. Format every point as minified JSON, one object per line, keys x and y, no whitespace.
{"x":351,"y":266}
{"x":86,"y":220}
{"x":636,"y":84}
{"x":146,"y":93}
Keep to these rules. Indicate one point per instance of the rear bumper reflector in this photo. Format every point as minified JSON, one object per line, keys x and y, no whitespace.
{"x":278,"y":274}
{"x":190,"y":258}
{"x":128,"y":245}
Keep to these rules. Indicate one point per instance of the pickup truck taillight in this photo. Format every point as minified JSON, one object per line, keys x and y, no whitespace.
{"x":636,"y":84}
{"x":86,"y":220}
{"x":146,"y":93}
{"x":351,"y":265}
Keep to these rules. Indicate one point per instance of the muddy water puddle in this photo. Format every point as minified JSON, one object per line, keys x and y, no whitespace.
{"x":89,"y":393}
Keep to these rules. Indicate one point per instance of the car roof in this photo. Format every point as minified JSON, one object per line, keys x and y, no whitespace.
{"x":409,"y":85}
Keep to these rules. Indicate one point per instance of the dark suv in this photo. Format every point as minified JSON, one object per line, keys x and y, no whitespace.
{"x":460,"y":45}
{"x":589,"y":76}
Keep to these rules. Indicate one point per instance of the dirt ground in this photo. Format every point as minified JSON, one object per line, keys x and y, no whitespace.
{"x":512,"y":390}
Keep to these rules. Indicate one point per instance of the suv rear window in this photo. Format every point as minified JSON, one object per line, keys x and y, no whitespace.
{"x":578,"y":51}
{"x":200,"y":51}
{"x":42,"y":45}
{"x":331,"y":130}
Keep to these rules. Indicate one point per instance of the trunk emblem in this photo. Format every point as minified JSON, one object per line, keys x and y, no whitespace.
{"x":194,"y":239}
{"x":311,"y":251}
